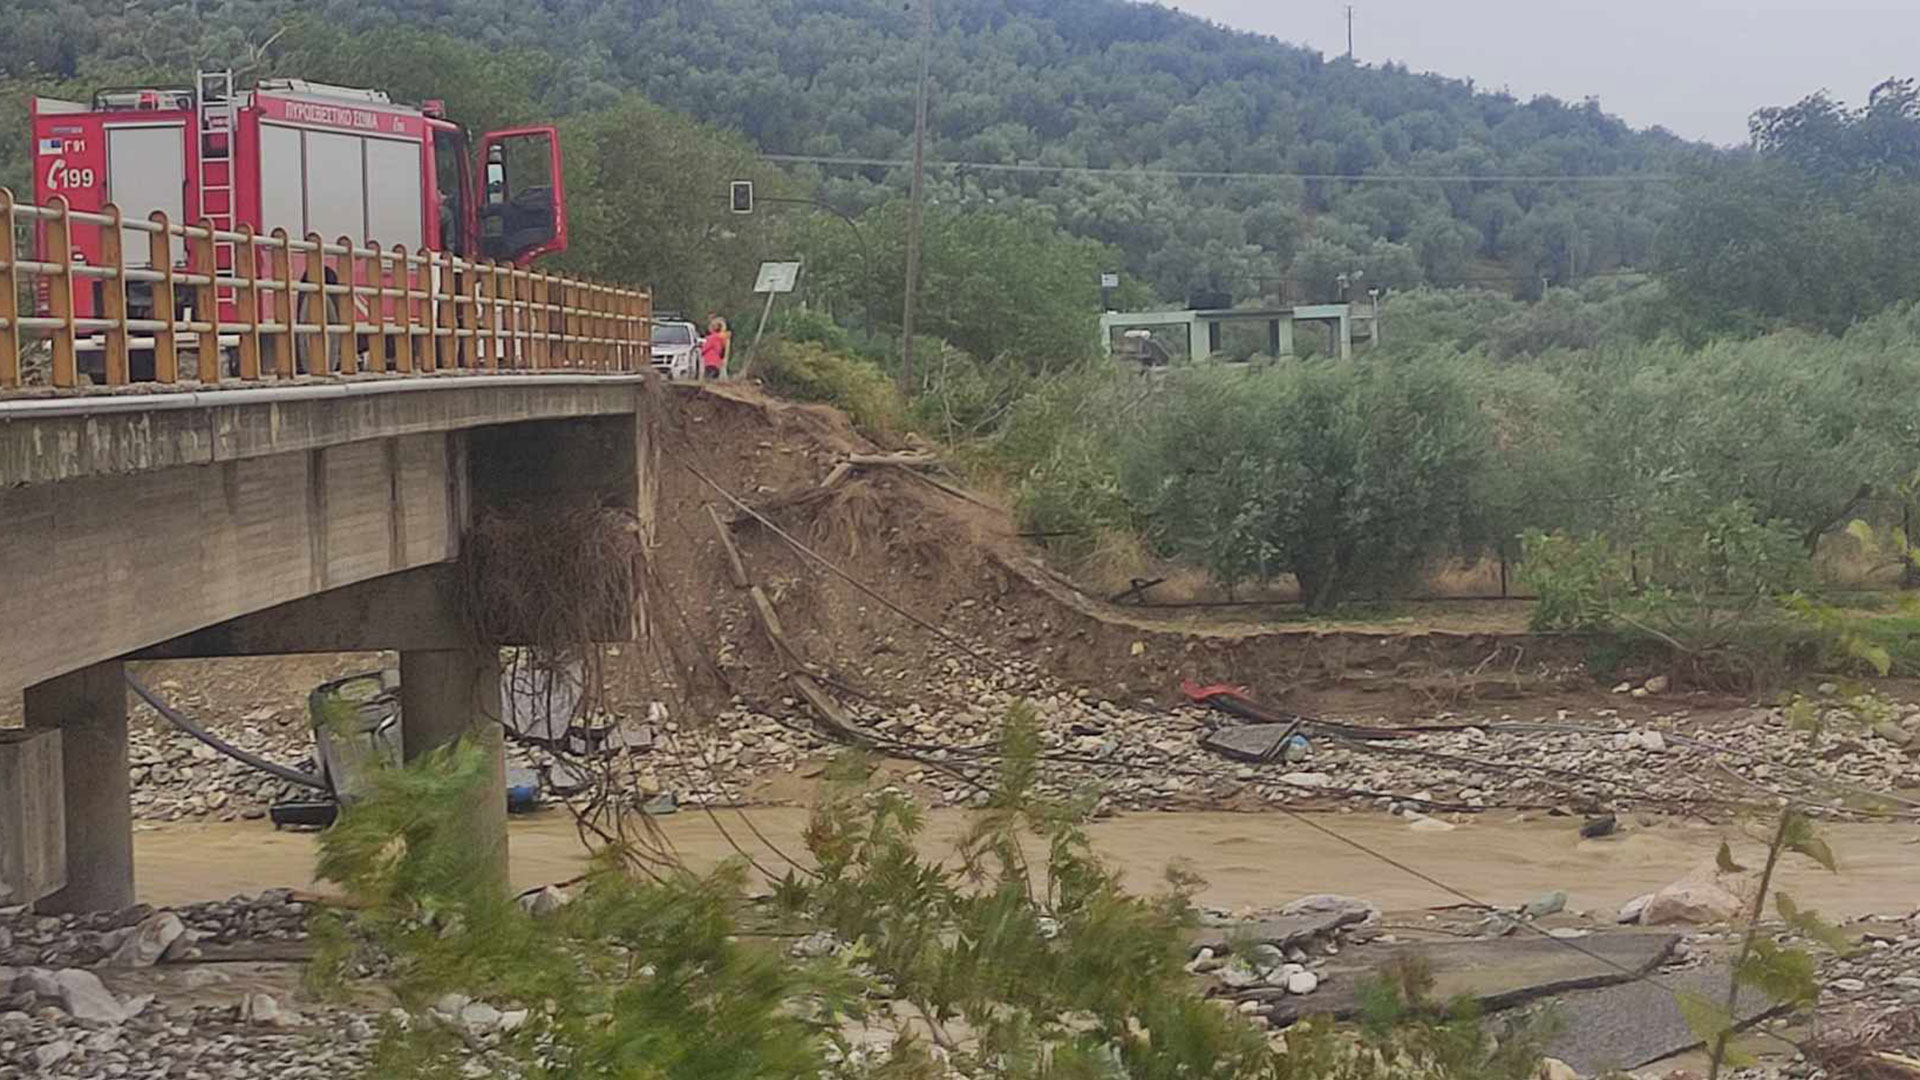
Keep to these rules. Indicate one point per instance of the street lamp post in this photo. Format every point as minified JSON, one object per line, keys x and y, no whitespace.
{"x":866,"y":254}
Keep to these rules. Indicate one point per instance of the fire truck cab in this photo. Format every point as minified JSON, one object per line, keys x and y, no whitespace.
{"x":301,"y":156}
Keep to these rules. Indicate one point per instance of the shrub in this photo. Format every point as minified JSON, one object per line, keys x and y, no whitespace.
{"x":1347,"y":476}
{"x":807,"y":371}
{"x":1724,"y":590}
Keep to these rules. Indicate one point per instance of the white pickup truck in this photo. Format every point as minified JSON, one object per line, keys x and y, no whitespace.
{"x":676,"y":349}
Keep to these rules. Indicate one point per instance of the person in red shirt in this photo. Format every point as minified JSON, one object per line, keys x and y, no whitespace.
{"x":715,"y":348}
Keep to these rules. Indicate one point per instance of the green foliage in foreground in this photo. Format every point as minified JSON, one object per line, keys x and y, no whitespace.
{"x":628,"y":980}
{"x":1021,"y":957}
{"x":1782,"y":972}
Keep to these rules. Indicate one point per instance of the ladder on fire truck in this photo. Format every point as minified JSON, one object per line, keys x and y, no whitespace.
{"x":218,"y":116}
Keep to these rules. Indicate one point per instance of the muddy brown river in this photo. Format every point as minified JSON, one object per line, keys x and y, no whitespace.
{"x":1246,"y":859}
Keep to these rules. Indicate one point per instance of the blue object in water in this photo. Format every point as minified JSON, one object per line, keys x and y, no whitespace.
{"x":523,"y":791}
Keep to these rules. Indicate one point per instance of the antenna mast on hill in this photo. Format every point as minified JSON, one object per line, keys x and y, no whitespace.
{"x":1349,"y":31}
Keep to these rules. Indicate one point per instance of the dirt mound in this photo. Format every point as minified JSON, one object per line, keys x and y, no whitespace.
{"x":953,"y":560}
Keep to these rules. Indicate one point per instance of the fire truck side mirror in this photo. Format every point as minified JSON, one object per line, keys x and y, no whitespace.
{"x":496,"y":174}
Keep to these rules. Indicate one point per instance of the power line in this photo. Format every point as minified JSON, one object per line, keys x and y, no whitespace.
{"x":1202,"y":174}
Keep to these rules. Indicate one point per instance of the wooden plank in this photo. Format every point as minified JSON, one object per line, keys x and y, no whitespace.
{"x":906,"y":460}
{"x":736,"y":568}
{"x":828,"y":710}
{"x":770,"y":625}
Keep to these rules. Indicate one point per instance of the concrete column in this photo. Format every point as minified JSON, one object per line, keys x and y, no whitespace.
{"x":89,"y":707}
{"x":449,"y":695}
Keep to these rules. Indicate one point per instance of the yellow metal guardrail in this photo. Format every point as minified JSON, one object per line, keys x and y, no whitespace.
{"x":288,"y":307}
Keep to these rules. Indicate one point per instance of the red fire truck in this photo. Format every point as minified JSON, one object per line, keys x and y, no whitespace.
{"x":297,"y":155}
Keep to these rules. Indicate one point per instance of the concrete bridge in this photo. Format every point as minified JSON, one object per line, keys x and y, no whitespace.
{"x":284,"y":519}
{"x":207,"y":496}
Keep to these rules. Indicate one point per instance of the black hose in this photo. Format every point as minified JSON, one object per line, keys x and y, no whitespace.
{"x":292,"y":776}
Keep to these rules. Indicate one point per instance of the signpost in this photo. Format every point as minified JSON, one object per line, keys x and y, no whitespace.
{"x":776,"y":279}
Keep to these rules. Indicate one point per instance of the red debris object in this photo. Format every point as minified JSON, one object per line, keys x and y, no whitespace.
{"x":1205,"y":695}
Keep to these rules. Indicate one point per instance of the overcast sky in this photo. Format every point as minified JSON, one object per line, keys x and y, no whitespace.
{"x":1698,"y":67}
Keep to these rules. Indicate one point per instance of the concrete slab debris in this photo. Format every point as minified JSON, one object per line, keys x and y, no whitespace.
{"x":1499,"y":973}
{"x":1637,"y":1023}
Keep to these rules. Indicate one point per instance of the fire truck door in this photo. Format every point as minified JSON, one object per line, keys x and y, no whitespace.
{"x":523,"y":212}
{"x":147,"y":171}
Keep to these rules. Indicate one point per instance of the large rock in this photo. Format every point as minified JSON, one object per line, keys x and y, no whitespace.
{"x":1701,"y":898}
{"x":1632,"y":910}
{"x":85,"y":997}
{"x":1349,"y":909}
{"x":149,"y":941}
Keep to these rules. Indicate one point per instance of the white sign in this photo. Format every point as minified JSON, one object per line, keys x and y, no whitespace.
{"x":777,"y":277}
{"x":1109,"y":281}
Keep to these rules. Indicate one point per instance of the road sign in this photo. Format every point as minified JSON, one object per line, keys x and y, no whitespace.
{"x":742,"y":196}
{"x":777,"y":277}
{"x":1109,"y":281}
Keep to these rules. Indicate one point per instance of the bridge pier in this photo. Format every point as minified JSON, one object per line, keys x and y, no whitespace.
{"x":89,"y":707}
{"x":448,"y":695}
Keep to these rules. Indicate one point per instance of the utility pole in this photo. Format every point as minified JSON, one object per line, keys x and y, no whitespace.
{"x":1349,"y":31}
{"x":916,"y":200}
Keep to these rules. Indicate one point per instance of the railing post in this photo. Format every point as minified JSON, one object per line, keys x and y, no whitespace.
{"x":490,"y":316}
{"x":206,"y":303}
{"x":314,"y":272}
{"x":372,"y":275}
{"x":596,"y":326}
{"x":246,"y":298}
{"x":9,"y":296}
{"x":446,"y":343}
{"x":523,"y":317}
{"x":113,"y":298}
{"x":60,"y":292}
{"x":645,"y":299}
{"x":570,"y":316}
{"x":284,"y":304}
{"x":346,"y":273}
{"x":481,"y":278}
{"x":166,"y":341}
{"x":403,"y":277}
{"x":542,"y":325}
{"x":639,"y":342}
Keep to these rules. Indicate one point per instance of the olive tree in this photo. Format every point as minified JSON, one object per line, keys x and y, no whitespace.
{"x":1346,"y":476}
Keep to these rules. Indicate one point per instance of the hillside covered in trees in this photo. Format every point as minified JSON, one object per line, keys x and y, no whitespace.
{"x":1097,"y":85}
